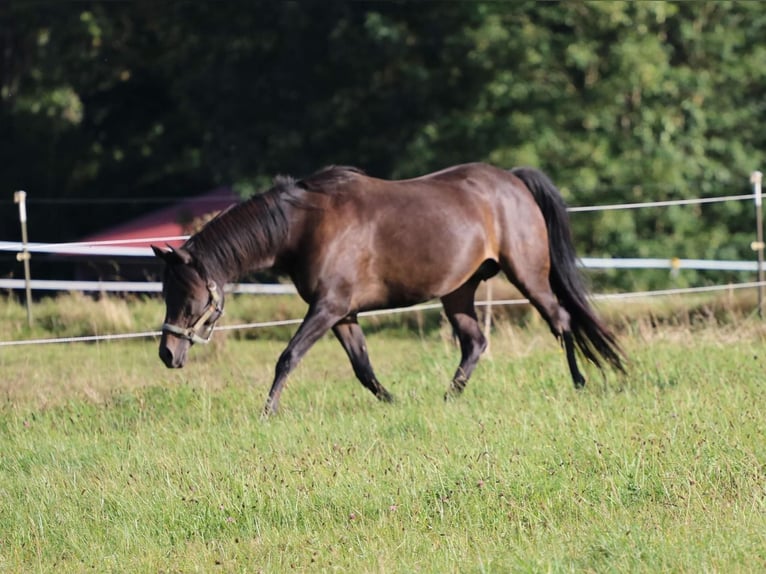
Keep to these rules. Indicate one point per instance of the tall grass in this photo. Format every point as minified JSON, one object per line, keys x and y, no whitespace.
{"x":75,"y":314}
{"x":110,"y":462}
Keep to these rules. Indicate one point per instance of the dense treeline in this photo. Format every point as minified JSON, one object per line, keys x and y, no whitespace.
{"x":122,"y":104}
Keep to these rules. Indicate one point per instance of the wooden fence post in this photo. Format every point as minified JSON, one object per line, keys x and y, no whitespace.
{"x":757,"y":245}
{"x":20,"y":197}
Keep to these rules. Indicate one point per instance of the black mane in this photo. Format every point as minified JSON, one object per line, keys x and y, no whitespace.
{"x":254,"y":230}
{"x":244,"y":233}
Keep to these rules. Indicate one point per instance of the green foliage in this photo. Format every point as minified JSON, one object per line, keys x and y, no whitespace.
{"x":618,"y":101}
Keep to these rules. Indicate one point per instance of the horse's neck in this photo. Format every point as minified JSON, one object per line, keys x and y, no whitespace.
{"x":246,"y":238}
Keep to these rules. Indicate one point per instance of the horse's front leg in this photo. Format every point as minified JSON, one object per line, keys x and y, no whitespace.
{"x":350,"y":335}
{"x":317,"y":322}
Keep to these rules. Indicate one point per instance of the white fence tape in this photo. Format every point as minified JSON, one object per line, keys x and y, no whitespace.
{"x":675,"y":263}
{"x":80,"y":249}
{"x":280,"y":289}
{"x":137,"y":286}
{"x":692,"y":201}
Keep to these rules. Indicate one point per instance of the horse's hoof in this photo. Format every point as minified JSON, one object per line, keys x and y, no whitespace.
{"x":268,"y":411}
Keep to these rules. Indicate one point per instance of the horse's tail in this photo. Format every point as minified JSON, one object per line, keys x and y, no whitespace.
{"x":594,"y":339}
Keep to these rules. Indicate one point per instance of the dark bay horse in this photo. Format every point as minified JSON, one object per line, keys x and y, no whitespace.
{"x":352,"y":243}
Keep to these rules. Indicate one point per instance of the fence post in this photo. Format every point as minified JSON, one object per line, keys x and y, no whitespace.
{"x":758,"y":245}
{"x":20,"y":197}
{"x":488,"y":317}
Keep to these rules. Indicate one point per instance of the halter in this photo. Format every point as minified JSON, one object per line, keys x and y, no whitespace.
{"x":199,"y":332}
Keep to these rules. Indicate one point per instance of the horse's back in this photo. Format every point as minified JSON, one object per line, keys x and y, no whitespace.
{"x":456,"y":208}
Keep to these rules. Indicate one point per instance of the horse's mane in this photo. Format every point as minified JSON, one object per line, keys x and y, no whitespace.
{"x":330,"y":179}
{"x":257,"y":227}
{"x":243,"y":233}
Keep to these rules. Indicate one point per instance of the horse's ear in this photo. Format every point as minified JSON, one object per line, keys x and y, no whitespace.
{"x":160,"y":253}
{"x":179,"y":255}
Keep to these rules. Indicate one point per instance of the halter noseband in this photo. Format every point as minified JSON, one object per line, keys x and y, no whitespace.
{"x":199,"y":332}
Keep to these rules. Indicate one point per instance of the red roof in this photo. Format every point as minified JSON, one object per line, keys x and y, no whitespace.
{"x":182,"y":218}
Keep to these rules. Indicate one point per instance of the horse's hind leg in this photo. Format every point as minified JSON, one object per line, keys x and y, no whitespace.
{"x":558,"y":319}
{"x":460,"y":311}
{"x":560,"y":323}
{"x":534,"y":285}
{"x":350,"y":335}
{"x":577,"y":378}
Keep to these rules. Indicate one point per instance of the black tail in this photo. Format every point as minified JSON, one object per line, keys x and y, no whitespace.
{"x":593,"y":338}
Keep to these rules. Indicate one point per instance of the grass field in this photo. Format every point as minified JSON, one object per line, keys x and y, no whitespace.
{"x":110,"y":462}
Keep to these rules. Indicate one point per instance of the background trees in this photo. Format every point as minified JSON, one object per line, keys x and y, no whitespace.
{"x":108,"y":109}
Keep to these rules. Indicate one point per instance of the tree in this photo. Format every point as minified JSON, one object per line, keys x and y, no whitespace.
{"x":617,"y":101}
{"x":622,"y":102}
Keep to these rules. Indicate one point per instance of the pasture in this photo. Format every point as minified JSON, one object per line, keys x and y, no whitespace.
{"x":110,"y":462}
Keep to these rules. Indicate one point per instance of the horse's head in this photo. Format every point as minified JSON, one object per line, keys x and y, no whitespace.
{"x":193,"y":304}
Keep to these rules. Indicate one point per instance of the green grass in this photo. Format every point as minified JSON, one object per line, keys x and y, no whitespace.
{"x":110,"y":462}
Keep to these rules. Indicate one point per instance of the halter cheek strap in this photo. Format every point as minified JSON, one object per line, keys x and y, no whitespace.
{"x":197,"y":333}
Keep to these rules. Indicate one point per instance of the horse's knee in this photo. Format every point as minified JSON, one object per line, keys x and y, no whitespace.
{"x":285,"y":363}
{"x":481,"y":342}
{"x":473,"y":345}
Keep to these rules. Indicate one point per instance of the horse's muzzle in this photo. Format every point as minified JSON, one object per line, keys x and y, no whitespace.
{"x":174,"y":356}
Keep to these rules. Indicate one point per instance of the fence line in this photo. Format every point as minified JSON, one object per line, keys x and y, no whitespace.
{"x":284,"y":289}
{"x":627,"y":297}
{"x":138,"y":286}
{"x":673,"y":263}
{"x":103,"y":249}
{"x":668,"y":203}
{"x":115,"y":247}
{"x":84,"y":248}
{"x":119,"y":248}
